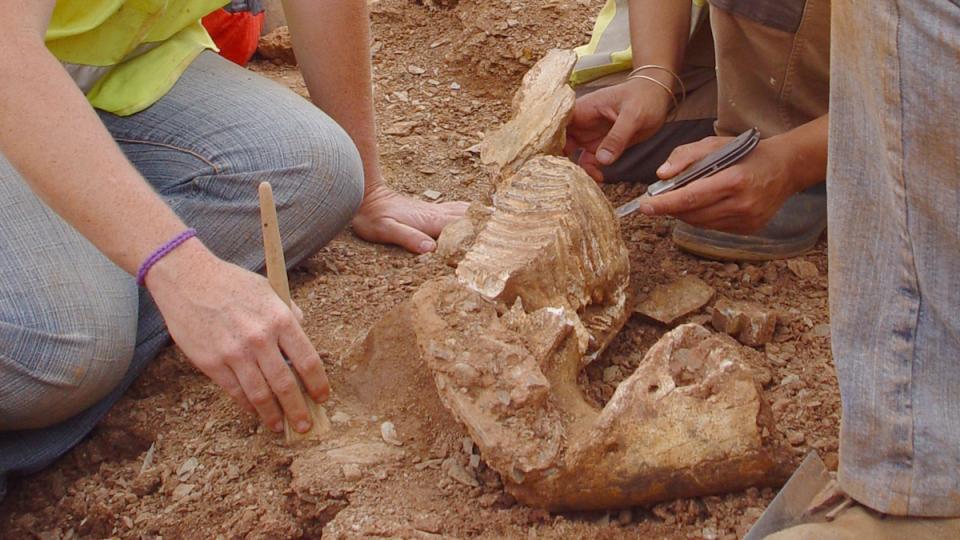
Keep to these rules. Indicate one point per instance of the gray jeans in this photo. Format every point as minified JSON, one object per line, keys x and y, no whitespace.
{"x":75,"y":331}
{"x":894,"y":225}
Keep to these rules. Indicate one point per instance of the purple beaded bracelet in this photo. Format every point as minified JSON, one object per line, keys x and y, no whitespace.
{"x":162,"y":252}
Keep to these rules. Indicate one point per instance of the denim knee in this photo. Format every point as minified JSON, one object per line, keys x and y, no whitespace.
{"x":319,"y":182}
{"x":54,"y":370}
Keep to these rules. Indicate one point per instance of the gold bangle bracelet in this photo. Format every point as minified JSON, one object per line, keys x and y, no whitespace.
{"x":676,"y":104}
{"x":683,"y":87}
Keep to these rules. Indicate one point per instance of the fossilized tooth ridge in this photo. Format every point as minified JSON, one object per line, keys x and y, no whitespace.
{"x":552,"y":241}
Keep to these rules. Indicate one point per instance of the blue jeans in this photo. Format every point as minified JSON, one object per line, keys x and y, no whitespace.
{"x":894,"y":225}
{"x":75,"y":330}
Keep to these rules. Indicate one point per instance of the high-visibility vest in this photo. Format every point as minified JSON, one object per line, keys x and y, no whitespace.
{"x":126,"y":54}
{"x":609,"y":50}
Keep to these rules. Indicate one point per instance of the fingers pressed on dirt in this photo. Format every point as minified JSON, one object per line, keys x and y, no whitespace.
{"x":258,"y":393}
{"x":285,"y":388}
{"x":407,"y":237}
{"x":302,"y":354}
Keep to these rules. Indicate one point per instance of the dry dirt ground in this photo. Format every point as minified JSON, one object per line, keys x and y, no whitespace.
{"x":175,"y":458}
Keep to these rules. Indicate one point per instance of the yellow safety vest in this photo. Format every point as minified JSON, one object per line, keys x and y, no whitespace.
{"x":608,"y":50}
{"x":126,"y":54}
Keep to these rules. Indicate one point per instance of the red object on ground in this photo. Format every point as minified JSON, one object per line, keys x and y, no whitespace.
{"x":237,"y":34}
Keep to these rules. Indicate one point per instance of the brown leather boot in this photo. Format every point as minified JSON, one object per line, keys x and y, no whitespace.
{"x":793,"y":231}
{"x":859,"y":523}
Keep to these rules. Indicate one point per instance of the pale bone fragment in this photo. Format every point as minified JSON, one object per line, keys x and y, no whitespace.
{"x":457,"y":238}
{"x":543,"y":107}
{"x":549,"y":75}
{"x":389,"y":433}
{"x":750,"y":323}
{"x":553,"y":241}
{"x":669,"y":302}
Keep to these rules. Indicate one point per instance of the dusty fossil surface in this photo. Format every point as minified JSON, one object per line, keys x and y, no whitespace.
{"x":542,"y":108}
{"x":535,"y":298}
{"x":540,"y":291}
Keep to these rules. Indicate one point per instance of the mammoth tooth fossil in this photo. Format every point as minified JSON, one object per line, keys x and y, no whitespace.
{"x":552,"y":241}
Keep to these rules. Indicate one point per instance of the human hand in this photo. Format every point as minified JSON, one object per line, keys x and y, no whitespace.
{"x":608,"y":121}
{"x":740,"y":199}
{"x":388,"y":217}
{"x":235,"y":329}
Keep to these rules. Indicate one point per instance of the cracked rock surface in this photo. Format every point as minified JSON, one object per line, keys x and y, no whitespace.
{"x":538,"y":295}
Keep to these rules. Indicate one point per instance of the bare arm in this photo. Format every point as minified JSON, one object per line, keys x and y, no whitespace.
{"x":609,"y":120}
{"x":659,"y":31}
{"x":87,"y":179}
{"x":227,"y":320}
{"x":332,"y":42}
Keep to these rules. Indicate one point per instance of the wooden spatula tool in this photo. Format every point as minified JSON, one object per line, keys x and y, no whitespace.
{"x":277,"y":276}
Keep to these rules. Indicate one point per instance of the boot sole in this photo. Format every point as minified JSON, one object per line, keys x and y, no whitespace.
{"x":729,"y":247}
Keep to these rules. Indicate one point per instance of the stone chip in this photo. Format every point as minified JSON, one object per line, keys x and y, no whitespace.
{"x":668,"y":303}
{"x":750,"y":323}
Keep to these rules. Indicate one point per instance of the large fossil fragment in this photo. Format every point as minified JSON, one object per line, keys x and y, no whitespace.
{"x":552,"y":241}
{"x":540,"y":291}
{"x":542,"y":109}
{"x":506,"y":338}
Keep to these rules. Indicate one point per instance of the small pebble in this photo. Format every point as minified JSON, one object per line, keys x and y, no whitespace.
{"x":352,"y":472}
{"x":389,"y":433}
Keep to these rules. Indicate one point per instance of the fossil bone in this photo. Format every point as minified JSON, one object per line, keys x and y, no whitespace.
{"x":539,"y":293}
{"x":552,"y":241}
{"x":506,"y":338}
{"x":542,"y":107}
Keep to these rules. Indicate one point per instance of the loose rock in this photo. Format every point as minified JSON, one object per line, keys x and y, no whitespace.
{"x":803,"y":269}
{"x":795,"y":438}
{"x":433,"y":195}
{"x":457,"y":471}
{"x":749,"y":323}
{"x":352,"y":472}
{"x":389,"y":433}
{"x":278,"y":47}
{"x":187,"y":468}
{"x":667,"y":303}
{"x":183,"y":490}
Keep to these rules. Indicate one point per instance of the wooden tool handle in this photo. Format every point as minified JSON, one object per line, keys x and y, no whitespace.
{"x":272,"y":245}
{"x":277,"y":276}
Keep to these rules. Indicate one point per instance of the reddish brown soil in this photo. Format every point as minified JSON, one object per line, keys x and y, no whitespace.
{"x":214,"y":473}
